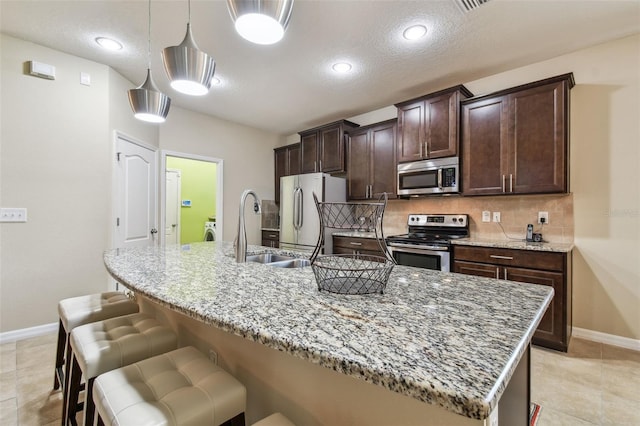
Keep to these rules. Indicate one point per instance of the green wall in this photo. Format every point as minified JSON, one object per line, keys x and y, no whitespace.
{"x":198,"y":184}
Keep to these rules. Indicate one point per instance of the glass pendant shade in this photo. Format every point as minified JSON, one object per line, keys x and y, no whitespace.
{"x":189,"y":69}
{"x":261,"y":21}
{"x":148,"y":103}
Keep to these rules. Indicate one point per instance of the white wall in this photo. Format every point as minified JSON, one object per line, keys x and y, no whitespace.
{"x":247,"y":155}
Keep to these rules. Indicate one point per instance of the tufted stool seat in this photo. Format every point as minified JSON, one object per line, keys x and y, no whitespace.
{"x":82,"y":310}
{"x":181,"y":387}
{"x":276,"y":419}
{"x":106,"y":345}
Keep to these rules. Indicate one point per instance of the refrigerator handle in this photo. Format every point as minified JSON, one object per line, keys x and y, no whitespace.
{"x":300,"y":209}
{"x":295,"y":208}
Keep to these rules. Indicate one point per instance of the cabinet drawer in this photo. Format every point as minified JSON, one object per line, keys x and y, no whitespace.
{"x":522,"y":258}
{"x":359,"y":244}
{"x":270,"y":235}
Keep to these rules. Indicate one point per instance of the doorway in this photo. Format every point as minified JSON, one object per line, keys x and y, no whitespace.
{"x":199,"y":201}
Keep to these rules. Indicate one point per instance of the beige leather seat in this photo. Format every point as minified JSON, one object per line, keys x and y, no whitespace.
{"x":82,"y":310}
{"x":181,"y":387}
{"x":276,"y":419}
{"x":106,"y":345}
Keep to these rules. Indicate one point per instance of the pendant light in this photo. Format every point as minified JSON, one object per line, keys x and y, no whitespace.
{"x":147,"y":101}
{"x":261,"y":21}
{"x":189,"y":69}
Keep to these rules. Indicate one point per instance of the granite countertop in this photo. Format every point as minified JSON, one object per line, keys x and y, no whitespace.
{"x":355,"y":234}
{"x":515,"y":244}
{"x":446,"y":339}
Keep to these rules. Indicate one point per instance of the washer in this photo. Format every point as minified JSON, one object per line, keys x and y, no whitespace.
{"x":209,"y":231}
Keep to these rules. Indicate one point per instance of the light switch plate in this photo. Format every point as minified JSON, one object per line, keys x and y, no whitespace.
{"x":486,"y":216}
{"x":13,"y":215}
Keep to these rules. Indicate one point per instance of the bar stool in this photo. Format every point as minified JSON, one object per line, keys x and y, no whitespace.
{"x":76,"y":311}
{"x":178,"y":388}
{"x":106,"y":345}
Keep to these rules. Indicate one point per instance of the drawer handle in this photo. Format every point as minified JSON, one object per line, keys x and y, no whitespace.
{"x":353,"y":243}
{"x":495,"y":256}
{"x":272,"y":235}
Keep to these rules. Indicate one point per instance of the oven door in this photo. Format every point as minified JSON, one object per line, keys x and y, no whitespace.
{"x":438,"y":260}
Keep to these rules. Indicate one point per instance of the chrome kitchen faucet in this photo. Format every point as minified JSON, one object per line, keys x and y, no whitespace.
{"x":241,"y":238}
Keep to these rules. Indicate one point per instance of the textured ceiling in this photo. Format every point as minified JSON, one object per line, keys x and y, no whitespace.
{"x":288,"y":87}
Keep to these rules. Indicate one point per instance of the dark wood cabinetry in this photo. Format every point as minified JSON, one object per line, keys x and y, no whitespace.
{"x":428,"y":126}
{"x":545,"y":268}
{"x":287,"y":162}
{"x":322,"y":148}
{"x":516,"y":141}
{"x":371,"y":161}
{"x":270,"y":238}
{"x":356,"y":246}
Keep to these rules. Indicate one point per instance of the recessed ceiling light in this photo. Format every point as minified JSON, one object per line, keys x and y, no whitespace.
{"x":108,"y":43}
{"x":414,"y":32}
{"x":341,"y":67}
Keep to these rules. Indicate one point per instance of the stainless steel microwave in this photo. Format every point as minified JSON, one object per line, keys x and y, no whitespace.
{"x":437,"y":176}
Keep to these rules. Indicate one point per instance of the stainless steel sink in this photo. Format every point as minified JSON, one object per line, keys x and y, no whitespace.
{"x":293,"y":263}
{"x":278,"y":260}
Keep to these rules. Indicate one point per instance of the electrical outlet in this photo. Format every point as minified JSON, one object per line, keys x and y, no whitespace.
{"x":545,"y":216}
{"x":213,"y":356}
{"x":486,"y":216}
{"x":496,"y":216}
{"x":13,"y":215}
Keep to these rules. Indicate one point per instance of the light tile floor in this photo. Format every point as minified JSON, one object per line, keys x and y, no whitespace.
{"x":593,"y":384}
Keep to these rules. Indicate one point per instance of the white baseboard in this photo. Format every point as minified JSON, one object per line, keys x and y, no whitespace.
{"x":609,"y":339}
{"x":25,"y":333}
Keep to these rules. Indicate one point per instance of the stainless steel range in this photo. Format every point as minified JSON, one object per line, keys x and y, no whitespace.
{"x":428,"y":242}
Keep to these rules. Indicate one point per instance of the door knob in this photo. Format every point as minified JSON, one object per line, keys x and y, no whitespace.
{"x":154,"y":231}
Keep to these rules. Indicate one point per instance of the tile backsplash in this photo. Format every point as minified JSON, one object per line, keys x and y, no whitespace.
{"x":270,"y":214}
{"x":516,"y":212}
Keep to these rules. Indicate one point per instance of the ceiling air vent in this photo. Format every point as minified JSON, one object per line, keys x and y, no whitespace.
{"x":469,"y":5}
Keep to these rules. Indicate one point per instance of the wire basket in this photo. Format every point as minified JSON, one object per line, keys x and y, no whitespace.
{"x":352,"y":274}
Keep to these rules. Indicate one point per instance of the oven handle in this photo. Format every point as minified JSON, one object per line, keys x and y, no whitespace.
{"x":406,"y":248}
{"x":440,"y":178}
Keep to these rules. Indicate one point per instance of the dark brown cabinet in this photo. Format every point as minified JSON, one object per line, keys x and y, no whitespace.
{"x":516,"y":141}
{"x":545,"y":268}
{"x":287,"y":162}
{"x":371,"y":161}
{"x":322,"y":148}
{"x":428,"y":126}
{"x":356,"y":246}
{"x":270,"y":238}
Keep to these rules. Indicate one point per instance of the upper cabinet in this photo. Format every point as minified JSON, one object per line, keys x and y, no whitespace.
{"x":287,"y":162}
{"x":516,"y":141}
{"x":428,"y":126}
{"x":322,"y":148}
{"x":371,"y":160}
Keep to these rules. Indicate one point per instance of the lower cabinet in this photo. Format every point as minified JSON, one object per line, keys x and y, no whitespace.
{"x":545,"y":268}
{"x":356,"y":246}
{"x":271,"y":238}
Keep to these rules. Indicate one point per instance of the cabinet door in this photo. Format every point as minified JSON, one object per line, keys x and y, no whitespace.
{"x":358,"y":165}
{"x":411,"y":132}
{"x":484,"y":146}
{"x":538,"y":139}
{"x":477,"y":269}
{"x":383,"y":172}
{"x":294,"y":160}
{"x":280,"y":164}
{"x":331,"y":150}
{"x":551,"y":330}
{"x":441,"y":126}
{"x":309,"y":153}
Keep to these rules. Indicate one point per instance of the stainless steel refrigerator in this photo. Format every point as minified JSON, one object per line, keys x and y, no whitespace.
{"x":299,"y":221}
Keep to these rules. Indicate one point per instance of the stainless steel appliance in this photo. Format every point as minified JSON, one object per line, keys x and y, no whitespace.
{"x":437,"y":176}
{"x":299,"y":221}
{"x":428,"y":242}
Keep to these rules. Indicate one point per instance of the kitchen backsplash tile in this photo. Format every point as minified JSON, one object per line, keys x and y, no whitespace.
{"x":270,"y":215}
{"x":516,"y":212}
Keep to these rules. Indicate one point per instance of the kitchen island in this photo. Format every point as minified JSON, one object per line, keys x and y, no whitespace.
{"x":435,"y":348}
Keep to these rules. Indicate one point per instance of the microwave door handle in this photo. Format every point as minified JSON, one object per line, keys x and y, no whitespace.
{"x":440,"y":178}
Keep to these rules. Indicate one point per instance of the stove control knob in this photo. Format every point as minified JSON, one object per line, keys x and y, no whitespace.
{"x":461,"y":220}
{"x":455,"y":219}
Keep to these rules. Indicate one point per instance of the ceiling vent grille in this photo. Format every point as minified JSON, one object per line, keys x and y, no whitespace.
{"x":469,"y":5}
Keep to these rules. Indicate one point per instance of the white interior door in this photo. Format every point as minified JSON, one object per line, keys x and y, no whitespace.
{"x":172,"y":206}
{"x":136,"y":195}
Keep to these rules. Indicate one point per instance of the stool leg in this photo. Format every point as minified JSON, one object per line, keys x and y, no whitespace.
{"x":58,"y":377}
{"x":72,"y":391}
{"x":89,"y":406}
